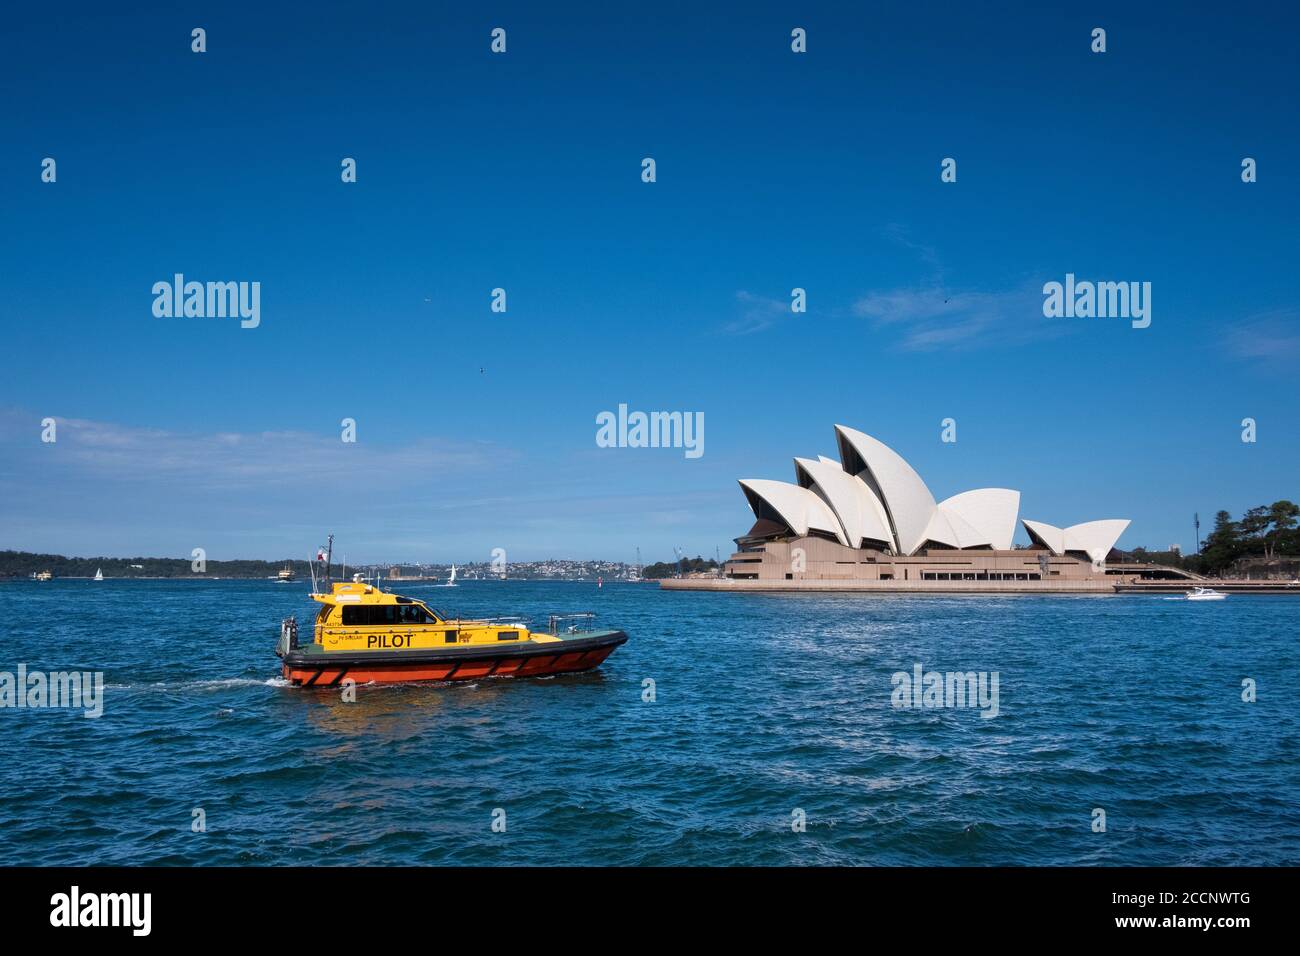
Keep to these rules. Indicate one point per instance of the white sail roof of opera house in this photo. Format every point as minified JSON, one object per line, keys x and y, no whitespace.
{"x":991,"y":511}
{"x":872,"y":498}
{"x":798,"y":508}
{"x":907,"y":500}
{"x":1094,"y":538}
{"x":859,"y":511}
{"x":952,"y":529}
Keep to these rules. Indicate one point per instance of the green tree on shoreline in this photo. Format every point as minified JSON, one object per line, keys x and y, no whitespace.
{"x":1267,"y":530}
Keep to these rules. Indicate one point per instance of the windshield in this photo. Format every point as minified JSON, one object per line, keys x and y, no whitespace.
{"x":387,"y":615}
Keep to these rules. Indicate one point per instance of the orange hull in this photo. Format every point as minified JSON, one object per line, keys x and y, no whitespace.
{"x":331,"y":675}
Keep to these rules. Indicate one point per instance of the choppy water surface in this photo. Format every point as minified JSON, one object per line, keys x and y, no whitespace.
{"x":764,"y":704}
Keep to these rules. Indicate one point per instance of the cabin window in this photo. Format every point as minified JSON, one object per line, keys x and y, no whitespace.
{"x":449,"y":638}
{"x":375,"y":615}
{"x":505,"y":635}
{"x":415,"y":614}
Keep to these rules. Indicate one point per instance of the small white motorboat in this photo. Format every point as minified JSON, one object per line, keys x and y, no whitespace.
{"x":1205,"y":594}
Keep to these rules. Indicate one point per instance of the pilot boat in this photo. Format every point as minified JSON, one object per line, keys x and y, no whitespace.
{"x":363,"y":633}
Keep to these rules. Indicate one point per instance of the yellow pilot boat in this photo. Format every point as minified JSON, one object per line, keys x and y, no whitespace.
{"x":366,"y":634}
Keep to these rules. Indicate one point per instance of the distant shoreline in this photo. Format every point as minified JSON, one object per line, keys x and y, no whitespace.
{"x":24,"y":564}
{"x":15,"y":579}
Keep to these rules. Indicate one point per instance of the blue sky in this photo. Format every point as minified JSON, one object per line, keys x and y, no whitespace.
{"x":775,"y":170}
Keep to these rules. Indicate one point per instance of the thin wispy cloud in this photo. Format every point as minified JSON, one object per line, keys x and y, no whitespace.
{"x":107,"y":451}
{"x":928,"y":319}
{"x":119,"y":489}
{"x":757,"y":313}
{"x":1268,"y":338}
{"x":929,"y":256}
{"x":931,"y":315}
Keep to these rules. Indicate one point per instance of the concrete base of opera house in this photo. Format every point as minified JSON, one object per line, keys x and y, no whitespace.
{"x":1126,"y":585}
{"x":892,"y":587}
{"x":810,"y":563}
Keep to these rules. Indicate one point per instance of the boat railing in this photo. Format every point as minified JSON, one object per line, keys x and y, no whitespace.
{"x":556,"y":621}
{"x":509,"y":620}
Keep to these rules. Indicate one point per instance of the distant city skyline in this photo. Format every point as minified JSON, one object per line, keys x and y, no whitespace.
{"x":775,"y":171}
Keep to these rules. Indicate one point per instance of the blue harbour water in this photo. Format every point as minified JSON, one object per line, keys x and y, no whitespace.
{"x":763,"y":704}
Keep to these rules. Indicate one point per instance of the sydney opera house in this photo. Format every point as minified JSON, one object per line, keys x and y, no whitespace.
{"x":868,"y":521}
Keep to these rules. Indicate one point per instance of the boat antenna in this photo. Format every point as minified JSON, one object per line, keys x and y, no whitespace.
{"x":329,"y":557}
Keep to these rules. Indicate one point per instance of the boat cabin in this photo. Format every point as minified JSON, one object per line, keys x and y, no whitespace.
{"x":360,"y":616}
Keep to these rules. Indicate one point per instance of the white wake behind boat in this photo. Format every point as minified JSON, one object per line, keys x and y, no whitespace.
{"x":1205,"y":594}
